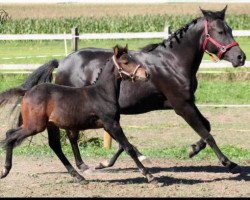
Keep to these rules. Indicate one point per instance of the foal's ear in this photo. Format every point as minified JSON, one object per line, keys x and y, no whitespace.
{"x":126,"y":49}
{"x":116,"y":50}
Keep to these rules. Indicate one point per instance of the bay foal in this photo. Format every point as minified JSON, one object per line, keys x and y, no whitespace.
{"x":53,"y":106}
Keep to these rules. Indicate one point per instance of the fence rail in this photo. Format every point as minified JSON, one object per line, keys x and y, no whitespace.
{"x":88,"y":36}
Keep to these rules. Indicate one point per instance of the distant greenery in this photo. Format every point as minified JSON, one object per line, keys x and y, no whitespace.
{"x":137,"y":23}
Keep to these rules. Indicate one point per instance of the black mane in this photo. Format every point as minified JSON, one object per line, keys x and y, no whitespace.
{"x":151,"y":47}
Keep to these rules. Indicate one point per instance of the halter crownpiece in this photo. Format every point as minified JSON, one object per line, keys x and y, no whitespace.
{"x":222,"y":49}
{"x":121,"y":70}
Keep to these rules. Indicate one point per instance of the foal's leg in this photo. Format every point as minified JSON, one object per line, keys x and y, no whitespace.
{"x":111,"y":162}
{"x":54,"y":143}
{"x":114,"y":129}
{"x":73,"y":137}
{"x":188,"y":111}
{"x":13,"y":138}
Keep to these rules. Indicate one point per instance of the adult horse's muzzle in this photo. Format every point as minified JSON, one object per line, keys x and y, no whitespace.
{"x":236,"y":56}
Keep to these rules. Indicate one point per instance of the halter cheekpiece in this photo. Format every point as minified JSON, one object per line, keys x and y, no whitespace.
{"x":121,"y":70}
{"x":222,"y":49}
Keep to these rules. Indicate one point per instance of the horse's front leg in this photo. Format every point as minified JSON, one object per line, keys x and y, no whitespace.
{"x":191,"y":115}
{"x":201,"y":144}
{"x":73,"y":138}
{"x":114,"y":129}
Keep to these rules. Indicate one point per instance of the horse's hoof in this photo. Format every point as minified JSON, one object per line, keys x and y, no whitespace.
{"x":192,"y":151}
{"x":144,"y":160}
{"x":83,"y":182}
{"x":102,"y":165}
{"x":155,"y":182}
{"x":4,"y":173}
{"x":235,"y":169}
{"x":83,"y":168}
{"x":89,"y":171}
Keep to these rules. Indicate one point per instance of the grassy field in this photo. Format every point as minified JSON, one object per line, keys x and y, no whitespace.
{"x":55,"y":49}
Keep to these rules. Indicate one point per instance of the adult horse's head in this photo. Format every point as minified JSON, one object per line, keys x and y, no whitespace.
{"x":219,"y":39}
{"x":128,"y":67}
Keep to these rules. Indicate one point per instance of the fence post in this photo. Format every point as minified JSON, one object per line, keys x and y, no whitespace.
{"x":107,"y":140}
{"x":166,"y":30}
{"x":75,"y":34}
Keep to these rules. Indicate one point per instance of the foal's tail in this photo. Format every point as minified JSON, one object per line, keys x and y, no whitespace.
{"x":42,"y":74}
{"x":11,"y":95}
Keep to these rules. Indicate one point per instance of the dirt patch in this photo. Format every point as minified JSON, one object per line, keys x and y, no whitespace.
{"x":46,"y":177}
{"x":77,"y":10}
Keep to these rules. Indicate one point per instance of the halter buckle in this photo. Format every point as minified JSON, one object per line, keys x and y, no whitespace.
{"x":223,"y":49}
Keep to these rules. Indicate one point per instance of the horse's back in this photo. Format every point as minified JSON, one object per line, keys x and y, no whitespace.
{"x":82,"y":67}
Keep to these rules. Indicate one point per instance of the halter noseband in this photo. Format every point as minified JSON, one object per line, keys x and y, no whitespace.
{"x":121,"y":70}
{"x":222,"y":49}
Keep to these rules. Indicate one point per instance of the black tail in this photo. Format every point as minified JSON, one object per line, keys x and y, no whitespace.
{"x":42,"y":74}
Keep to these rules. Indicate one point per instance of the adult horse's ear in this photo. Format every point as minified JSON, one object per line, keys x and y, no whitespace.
{"x":222,"y":13}
{"x":126,"y":48}
{"x":204,"y":12}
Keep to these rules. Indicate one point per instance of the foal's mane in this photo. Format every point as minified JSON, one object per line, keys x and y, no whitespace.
{"x":151,"y":47}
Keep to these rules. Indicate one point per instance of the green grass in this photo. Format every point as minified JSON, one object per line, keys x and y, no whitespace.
{"x":216,"y":91}
{"x":13,"y":49}
{"x":174,"y":152}
{"x":223,"y":92}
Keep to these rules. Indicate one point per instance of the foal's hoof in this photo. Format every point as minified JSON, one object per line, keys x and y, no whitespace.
{"x":102,"y":165}
{"x":156,"y":183}
{"x":4,"y":173}
{"x":144,"y":160}
{"x":235,"y":169}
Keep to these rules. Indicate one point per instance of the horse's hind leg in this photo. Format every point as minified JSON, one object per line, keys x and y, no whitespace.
{"x":55,"y":145}
{"x":73,"y":137}
{"x":13,"y":138}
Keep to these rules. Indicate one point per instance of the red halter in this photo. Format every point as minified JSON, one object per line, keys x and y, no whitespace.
{"x":222,"y":49}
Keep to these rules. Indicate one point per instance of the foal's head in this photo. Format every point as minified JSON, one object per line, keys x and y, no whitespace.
{"x":126,"y":66}
{"x":219,"y":39}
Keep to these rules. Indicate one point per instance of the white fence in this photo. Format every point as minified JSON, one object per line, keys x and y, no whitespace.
{"x":89,"y":36}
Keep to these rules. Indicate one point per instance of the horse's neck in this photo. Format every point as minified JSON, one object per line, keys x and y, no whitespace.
{"x":188,"y":49}
{"x":108,"y":82}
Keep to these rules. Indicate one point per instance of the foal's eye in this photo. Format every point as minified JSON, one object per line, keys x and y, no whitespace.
{"x":220,"y":32}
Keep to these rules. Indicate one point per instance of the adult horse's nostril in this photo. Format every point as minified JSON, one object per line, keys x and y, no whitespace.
{"x":240,"y":57}
{"x":147,"y":74}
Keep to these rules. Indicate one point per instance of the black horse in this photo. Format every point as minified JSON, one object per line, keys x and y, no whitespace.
{"x":54,"y":106}
{"x":173,"y":65}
